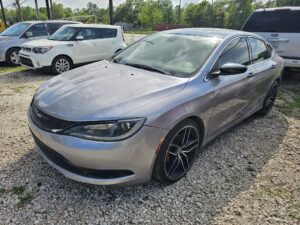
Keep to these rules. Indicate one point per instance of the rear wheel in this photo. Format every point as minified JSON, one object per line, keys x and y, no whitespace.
{"x":178,"y":152}
{"x":12,"y":57}
{"x":61,"y":64}
{"x":269,"y":100}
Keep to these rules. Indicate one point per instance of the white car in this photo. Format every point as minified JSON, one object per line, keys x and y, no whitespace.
{"x":72,"y":45}
{"x":281,"y":27}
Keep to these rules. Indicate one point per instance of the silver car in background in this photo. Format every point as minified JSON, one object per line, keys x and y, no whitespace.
{"x":14,"y":36}
{"x":280,"y":26}
{"x":148,"y":110}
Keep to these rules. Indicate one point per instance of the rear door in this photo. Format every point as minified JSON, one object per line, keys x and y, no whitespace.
{"x":87,"y":50}
{"x":107,"y":42}
{"x":235,"y":95}
{"x":280,"y":27}
{"x":38,"y":31}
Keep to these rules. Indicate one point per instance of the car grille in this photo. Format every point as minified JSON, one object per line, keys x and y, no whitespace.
{"x":26,"y":61}
{"x":62,"y":162}
{"x":26,"y":49}
{"x":47,"y":122}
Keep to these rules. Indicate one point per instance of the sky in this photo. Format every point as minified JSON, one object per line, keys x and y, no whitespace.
{"x":82,"y":3}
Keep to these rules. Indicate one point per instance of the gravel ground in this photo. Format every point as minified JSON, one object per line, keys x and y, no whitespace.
{"x":249,"y":175}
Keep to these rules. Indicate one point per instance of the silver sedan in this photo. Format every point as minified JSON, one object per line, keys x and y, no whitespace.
{"x":147,"y":111}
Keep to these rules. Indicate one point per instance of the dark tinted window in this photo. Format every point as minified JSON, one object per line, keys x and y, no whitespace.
{"x":107,"y":33}
{"x":38,"y":30}
{"x":235,"y":52}
{"x":52,"y":27}
{"x":281,"y":21}
{"x":259,"y":50}
{"x":97,"y":33}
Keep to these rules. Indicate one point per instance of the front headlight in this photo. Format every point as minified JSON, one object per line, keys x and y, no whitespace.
{"x":41,"y":50}
{"x":107,"y":131}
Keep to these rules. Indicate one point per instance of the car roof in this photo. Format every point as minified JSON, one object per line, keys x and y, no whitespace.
{"x":93,"y":25}
{"x":291,"y":8}
{"x":51,"y":21}
{"x":215,"y":32}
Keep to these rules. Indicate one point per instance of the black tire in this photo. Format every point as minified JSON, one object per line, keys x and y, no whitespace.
{"x":61,"y":64}
{"x":269,"y":100}
{"x":174,"y":152}
{"x":12,"y":57}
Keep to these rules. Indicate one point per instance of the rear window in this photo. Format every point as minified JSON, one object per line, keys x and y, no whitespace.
{"x":107,"y":33}
{"x":280,"y":21}
{"x":52,"y":27}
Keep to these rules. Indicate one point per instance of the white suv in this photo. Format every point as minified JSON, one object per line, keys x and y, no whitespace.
{"x":72,"y":45}
{"x":281,"y":27}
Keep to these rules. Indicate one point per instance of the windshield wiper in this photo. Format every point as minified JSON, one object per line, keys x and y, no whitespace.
{"x":145,"y":67}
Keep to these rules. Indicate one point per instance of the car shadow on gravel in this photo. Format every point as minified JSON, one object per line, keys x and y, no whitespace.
{"x":225,"y":168}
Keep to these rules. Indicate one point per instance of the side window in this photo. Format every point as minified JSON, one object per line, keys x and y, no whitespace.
{"x":106,"y":33}
{"x":52,"y":27}
{"x":88,"y":33}
{"x":235,"y":52}
{"x":38,"y":30}
{"x":259,"y":50}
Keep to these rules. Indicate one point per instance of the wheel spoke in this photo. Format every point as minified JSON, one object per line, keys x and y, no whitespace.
{"x":186,"y":135}
{"x":191,"y":147}
{"x":174,"y":166}
{"x":186,"y":159}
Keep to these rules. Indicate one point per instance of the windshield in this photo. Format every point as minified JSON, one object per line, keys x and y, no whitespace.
{"x":16,"y":29}
{"x":172,"y":54}
{"x":64,"y":34}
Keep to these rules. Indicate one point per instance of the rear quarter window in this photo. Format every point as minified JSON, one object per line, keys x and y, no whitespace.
{"x":107,"y":33}
{"x":279,"y":21}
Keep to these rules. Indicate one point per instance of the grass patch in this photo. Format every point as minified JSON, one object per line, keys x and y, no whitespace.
{"x":18,"y":190}
{"x":250,"y":168}
{"x":147,"y":32}
{"x":2,"y":191}
{"x":11,"y":69}
{"x":24,"y":200}
{"x":290,"y":100}
{"x":272,"y":192}
{"x":19,"y":89}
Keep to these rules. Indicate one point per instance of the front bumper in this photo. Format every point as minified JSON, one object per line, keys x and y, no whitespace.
{"x":34,"y":61}
{"x":132,"y":159}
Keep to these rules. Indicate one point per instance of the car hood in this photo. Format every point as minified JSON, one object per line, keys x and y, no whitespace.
{"x":104,"y":90}
{"x":4,"y":39}
{"x":44,"y":42}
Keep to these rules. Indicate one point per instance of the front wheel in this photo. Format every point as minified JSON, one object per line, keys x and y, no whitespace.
{"x":61,"y":64}
{"x":178,"y":152}
{"x":12,"y":57}
{"x":269,"y":100}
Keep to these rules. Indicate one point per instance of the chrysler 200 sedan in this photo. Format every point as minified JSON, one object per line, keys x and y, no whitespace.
{"x":147,"y":111}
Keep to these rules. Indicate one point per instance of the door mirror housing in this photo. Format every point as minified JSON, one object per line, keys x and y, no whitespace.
{"x":230,"y":69}
{"x":28,"y":34}
{"x":79,"y":38}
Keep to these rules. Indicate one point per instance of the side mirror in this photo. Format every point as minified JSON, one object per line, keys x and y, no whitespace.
{"x":28,"y":34}
{"x":230,"y":69}
{"x":79,"y":38}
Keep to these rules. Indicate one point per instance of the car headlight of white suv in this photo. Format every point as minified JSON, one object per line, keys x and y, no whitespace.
{"x":41,"y":50}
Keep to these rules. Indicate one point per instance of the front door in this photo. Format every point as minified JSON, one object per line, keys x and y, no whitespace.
{"x":234,"y":94}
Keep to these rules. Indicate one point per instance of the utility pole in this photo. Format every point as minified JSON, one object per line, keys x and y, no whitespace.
{"x":3,"y":14}
{"x":37,"y":12}
{"x":48,"y":10}
{"x":111,"y":11}
{"x":19,"y":10}
{"x":179,"y":12}
{"x":51,"y":9}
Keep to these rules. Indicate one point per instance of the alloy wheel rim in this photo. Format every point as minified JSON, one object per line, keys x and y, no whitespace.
{"x":62,"y":65}
{"x":181,"y":152}
{"x":14,"y":58}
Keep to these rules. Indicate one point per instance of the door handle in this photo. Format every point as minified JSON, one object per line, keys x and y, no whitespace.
{"x":273,"y":66}
{"x":250,"y":74}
